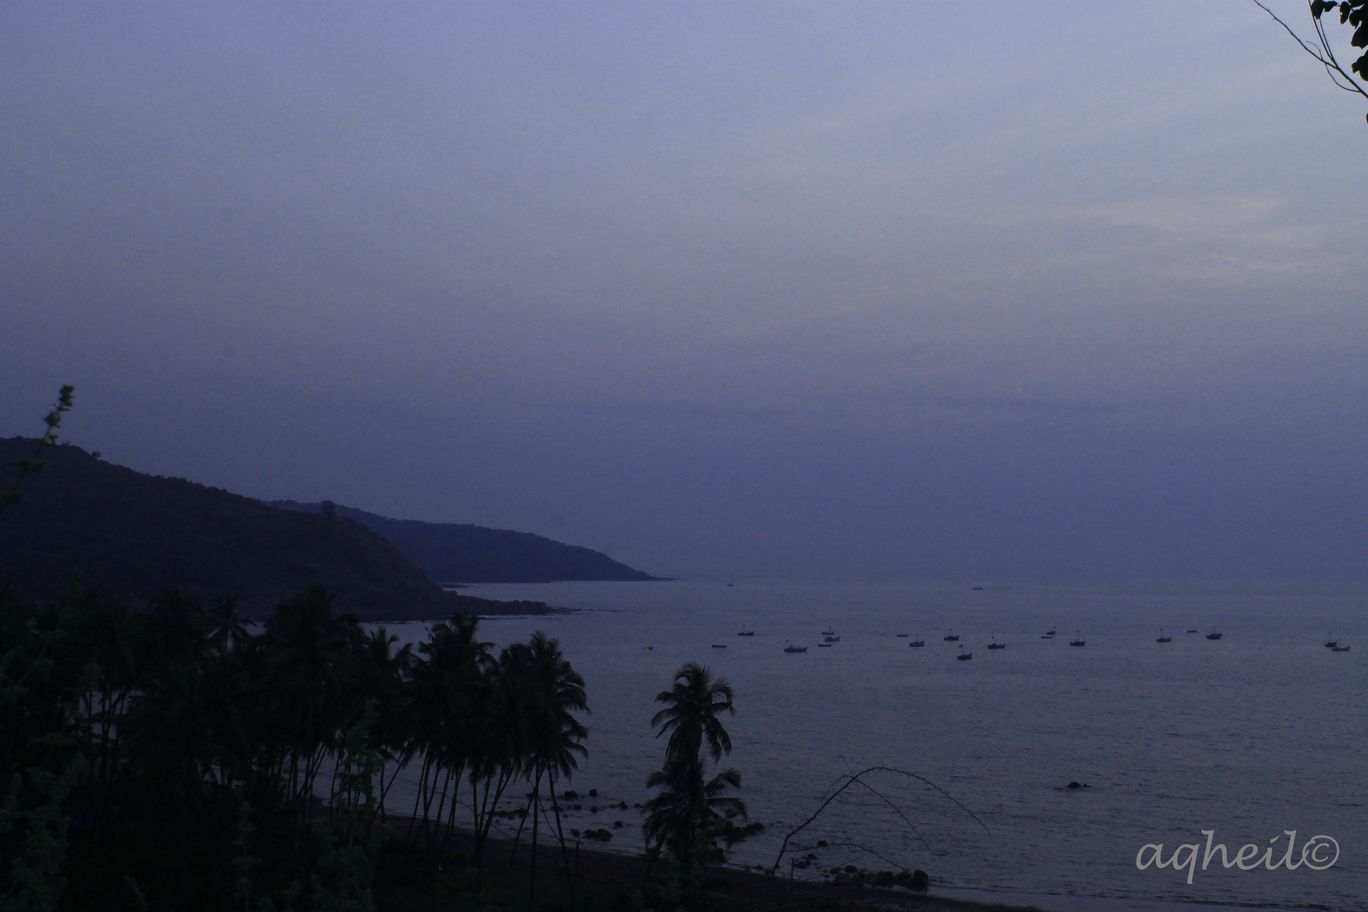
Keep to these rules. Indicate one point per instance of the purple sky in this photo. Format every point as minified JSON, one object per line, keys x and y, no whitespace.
{"x":982,"y":290}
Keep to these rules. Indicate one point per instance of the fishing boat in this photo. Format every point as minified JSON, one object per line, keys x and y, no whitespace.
{"x":719,"y":645}
{"x":792,"y":648}
{"x":1331,"y":644}
{"x":917,"y":644}
{"x":1339,"y":648}
{"x":1078,"y":641}
{"x":831,"y":638}
{"x":951,"y":638}
{"x":1213,"y":634}
{"x":964,"y":656}
{"x":996,"y":645}
{"x":745,"y":633}
{"x":1163,"y":638}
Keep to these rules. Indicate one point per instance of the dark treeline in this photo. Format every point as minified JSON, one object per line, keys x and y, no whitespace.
{"x":171,"y":758}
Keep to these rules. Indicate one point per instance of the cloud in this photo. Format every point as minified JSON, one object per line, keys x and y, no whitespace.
{"x":1215,"y":239}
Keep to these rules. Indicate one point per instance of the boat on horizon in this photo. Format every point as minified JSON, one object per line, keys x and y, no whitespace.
{"x":1163,"y":637}
{"x":791,"y":648}
{"x":996,"y":645}
{"x":1213,"y":634}
{"x":951,"y":638}
{"x":915,"y":644}
{"x":1078,"y":641}
{"x":745,"y":633}
{"x":964,"y":656}
{"x":1339,"y":648}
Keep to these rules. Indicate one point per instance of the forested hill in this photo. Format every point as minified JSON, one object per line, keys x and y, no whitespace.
{"x":460,"y":553}
{"x":136,"y":534}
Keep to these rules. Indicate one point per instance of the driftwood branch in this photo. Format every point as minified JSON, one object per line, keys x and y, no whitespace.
{"x":858,"y":779}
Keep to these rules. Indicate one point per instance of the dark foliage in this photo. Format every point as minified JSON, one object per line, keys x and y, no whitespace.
{"x":173,"y":758}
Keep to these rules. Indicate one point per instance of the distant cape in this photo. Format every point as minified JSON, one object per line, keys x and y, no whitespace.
{"x":135,"y":534}
{"x":456,"y":553}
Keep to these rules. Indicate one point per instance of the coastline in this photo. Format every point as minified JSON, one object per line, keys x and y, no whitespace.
{"x":724,"y":884}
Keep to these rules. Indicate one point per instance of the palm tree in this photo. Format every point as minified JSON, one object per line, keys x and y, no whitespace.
{"x":445,"y":694}
{"x":382,"y":676}
{"x":554,"y":692}
{"x":307,"y":658}
{"x":226,"y":628}
{"x":689,"y":814}
{"x":499,"y":740}
{"x":692,"y":708}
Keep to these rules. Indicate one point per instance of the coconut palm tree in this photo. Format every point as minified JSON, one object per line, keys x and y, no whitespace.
{"x":691,"y":714}
{"x":688,"y":815}
{"x":553,"y":693}
{"x":445,"y":694}
{"x":307,"y":658}
{"x":382,"y":676}
{"x":226,"y":627}
{"x":692,"y":811}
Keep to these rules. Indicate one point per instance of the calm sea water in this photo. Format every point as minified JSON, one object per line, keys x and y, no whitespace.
{"x":1250,"y":736}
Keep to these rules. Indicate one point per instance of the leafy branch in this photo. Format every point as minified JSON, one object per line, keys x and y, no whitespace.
{"x":33,"y":465}
{"x":1352,"y":12}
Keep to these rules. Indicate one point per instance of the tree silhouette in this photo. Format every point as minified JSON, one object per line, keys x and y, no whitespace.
{"x":692,"y":812}
{"x":1350,"y":12}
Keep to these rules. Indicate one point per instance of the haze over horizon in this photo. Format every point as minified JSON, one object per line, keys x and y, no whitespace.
{"x":717,"y":289}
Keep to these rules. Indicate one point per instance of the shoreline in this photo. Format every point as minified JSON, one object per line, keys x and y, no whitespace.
{"x":761,"y":891}
{"x":725,"y":883}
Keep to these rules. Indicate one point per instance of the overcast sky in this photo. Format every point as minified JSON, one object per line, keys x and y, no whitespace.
{"x":985,"y":290}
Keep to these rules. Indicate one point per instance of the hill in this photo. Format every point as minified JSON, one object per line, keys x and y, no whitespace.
{"x":454,"y":553}
{"x":136,"y":534}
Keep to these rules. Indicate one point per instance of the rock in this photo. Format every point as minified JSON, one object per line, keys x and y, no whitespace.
{"x":920,"y":880}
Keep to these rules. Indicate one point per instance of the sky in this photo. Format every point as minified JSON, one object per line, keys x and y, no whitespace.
{"x":947,"y":291}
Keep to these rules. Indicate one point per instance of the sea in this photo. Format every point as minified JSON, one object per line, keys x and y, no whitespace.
{"x":1230,"y":771}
